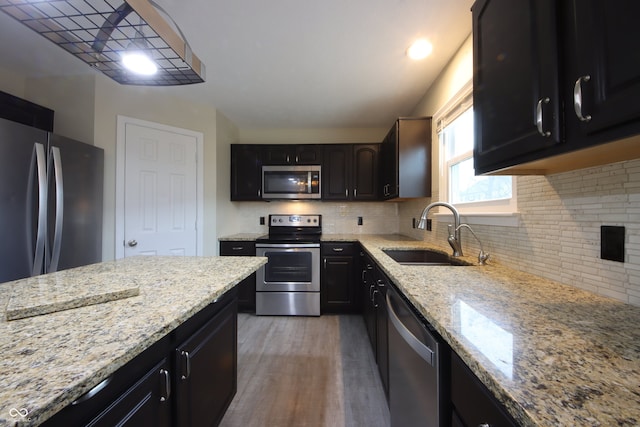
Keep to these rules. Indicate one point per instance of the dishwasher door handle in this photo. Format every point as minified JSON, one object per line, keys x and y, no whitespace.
{"x":426,"y":353}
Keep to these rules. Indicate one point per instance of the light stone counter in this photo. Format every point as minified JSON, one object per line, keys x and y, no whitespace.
{"x":554,"y":355}
{"x":48,"y":361}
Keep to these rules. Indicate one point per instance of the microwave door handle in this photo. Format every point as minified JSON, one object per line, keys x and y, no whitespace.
{"x":309,"y":182}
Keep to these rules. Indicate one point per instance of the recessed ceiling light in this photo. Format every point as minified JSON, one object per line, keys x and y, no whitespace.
{"x":420,"y":49}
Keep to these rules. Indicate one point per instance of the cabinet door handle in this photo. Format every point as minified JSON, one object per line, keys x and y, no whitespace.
{"x":166,"y":392}
{"x":371,"y":288}
{"x":541,"y":130}
{"x":375,"y":303}
{"x":325,"y":263}
{"x":297,"y":159}
{"x":346,"y":192}
{"x":259,"y":193}
{"x":95,"y":390}
{"x":577,"y":98}
{"x":287,"y":158}
{"x":355,"y":192}
{"x":187,"y":364}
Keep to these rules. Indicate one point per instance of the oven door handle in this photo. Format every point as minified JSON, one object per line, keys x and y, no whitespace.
{"x":287,"y":245}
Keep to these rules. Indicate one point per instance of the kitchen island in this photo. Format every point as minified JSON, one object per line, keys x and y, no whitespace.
{"x":50,"y":360}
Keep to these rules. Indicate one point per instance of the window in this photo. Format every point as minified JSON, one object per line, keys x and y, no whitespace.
{"x":459,"y":185}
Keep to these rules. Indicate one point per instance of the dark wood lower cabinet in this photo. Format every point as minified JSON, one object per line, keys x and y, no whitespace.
{"x":382,"y":331}
{"x":339,"y":286}
{"x":246,"y":288}
{"x":473,"y":405}
{"x":187,"y":378}
{"x":206,"y":371}
{"x":146,"y":404}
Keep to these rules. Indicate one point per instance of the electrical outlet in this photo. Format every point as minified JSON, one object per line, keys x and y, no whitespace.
{"x":428,"y":225}
{"x":261,"y":220}
{"x":413,"y":223}
{"x":359,"y":220}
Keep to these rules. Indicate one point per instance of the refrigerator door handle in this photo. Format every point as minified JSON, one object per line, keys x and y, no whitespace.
{"x":57,"y":234}
{"x":38,"y":163}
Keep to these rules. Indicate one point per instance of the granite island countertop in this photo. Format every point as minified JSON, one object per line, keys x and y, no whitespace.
{"x":552,"y":354}
{"x":50,"y":360}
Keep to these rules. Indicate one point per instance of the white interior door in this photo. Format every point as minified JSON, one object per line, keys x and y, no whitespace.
{"x":160,"y":186}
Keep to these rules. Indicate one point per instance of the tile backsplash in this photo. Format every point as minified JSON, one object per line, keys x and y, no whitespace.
{"x":558,"y":236}
{"x":559,"y":232}
{"x":337,"y":218}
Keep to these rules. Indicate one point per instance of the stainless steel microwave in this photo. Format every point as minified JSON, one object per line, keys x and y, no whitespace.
{"x":291,"y":182}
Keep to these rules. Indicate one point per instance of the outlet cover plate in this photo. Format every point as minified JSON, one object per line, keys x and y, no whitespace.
{"x":612,"y":243}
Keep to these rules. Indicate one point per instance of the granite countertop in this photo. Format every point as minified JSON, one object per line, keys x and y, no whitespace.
{"x":553,"y":354}
{"x":50,"y":360}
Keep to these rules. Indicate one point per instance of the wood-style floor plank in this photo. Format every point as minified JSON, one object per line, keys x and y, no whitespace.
{"x":306,"y":371}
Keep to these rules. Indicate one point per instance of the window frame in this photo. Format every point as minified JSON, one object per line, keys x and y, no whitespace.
{"x":494,"y":212}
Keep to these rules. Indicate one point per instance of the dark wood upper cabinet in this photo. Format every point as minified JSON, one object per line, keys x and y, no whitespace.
{"x":350,"y":172}
{"x":365,"y":171}
{"x":554,"y":80}
{"x":336,"y":171}
{"x":246,"y":172}
{"x":405,"y":155}
{"x":307,"y":154}
{"x":515,"y":79}
{"x":601,"y":44}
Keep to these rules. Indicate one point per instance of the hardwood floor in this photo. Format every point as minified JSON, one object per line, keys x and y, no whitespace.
{"x":306,"y":371}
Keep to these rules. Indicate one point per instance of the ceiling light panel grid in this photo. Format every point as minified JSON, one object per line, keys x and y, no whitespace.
{"x":97,"y":31}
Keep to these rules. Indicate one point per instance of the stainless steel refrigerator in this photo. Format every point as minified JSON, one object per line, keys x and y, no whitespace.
{"x":50,"y":202}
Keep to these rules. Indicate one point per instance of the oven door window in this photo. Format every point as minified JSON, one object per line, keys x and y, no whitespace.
{"x":288,"y":267}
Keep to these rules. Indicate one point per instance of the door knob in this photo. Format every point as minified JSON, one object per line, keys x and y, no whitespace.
{"x":132,"y":243}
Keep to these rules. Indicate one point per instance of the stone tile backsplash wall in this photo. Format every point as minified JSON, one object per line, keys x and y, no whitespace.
{"x":559,"y":232}
{"x":337,"y":218}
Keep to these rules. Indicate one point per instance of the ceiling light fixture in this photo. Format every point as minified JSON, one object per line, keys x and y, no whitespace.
{"x":101,"y":32}
{"x":135,"y":58}
{"x":420,"y":49}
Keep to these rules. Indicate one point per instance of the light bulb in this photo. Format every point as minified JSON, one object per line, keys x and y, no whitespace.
{"x":420,"y":49}
{"x":138,"y":62}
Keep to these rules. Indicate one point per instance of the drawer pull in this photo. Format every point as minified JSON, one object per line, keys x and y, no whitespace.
{"x":237,"y":248}
{"x":167,"y":385}
{"x":95,"y":390}
{"x":338,"y":249}
{"x":187,"y":365}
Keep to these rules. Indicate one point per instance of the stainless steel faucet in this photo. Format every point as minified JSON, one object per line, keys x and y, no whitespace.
{"x":454,"y":231}
{"x":482,"y":256}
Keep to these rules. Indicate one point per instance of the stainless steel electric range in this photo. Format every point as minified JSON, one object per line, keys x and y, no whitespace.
{"x":289,"y":284}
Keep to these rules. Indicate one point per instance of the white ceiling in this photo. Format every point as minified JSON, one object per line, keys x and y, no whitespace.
{"x":291,"y":63}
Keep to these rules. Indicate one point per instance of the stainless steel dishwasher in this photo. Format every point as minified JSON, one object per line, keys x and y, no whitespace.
{"x":416,"y":368}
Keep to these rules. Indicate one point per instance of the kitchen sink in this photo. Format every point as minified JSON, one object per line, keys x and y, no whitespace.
{"x":422,"y":257}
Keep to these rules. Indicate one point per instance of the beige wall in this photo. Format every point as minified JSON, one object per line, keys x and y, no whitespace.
{"x":72,"y":99}
{"x":160,"y":105}
{"x":560,"y":215}
{"x":12,"y":83}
